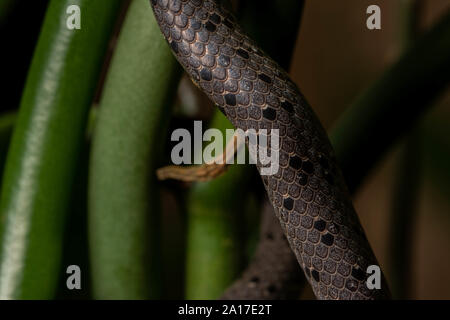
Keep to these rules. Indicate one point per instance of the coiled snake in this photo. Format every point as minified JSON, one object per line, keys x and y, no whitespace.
{"x":308,"y":192}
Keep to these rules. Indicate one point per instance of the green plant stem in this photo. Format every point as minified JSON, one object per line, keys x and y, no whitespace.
{"x":391,"y":106}
{"x":214,"y":250}
{"x":214,"y":244}
{"x":123,"y":196}
{"x":42,"y":159}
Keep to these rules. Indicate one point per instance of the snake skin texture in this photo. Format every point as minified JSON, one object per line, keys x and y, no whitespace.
{"x":308,"y":192}
{"x":274,"y":273}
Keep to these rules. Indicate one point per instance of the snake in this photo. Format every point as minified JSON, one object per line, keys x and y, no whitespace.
{"x":308,"y":192}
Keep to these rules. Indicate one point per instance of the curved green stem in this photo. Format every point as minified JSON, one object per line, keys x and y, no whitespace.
{"x":123,"y":195}
{"x":214,"y":209}
{"x":45,"y":146}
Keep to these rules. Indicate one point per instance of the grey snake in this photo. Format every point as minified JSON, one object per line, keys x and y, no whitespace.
{"x":308,"y":193}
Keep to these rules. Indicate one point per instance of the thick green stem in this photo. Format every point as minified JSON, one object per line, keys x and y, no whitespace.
{"x":123,"y":196}
{"x":45,"y":147}
{"x":213,"y":253}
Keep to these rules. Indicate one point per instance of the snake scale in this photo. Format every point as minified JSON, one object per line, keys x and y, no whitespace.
{"x":308,"y":193}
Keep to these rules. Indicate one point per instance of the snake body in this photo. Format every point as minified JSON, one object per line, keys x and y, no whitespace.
{"x":308,"y":193}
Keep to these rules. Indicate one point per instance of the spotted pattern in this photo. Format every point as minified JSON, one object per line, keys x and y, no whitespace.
{"x":308,"y":192}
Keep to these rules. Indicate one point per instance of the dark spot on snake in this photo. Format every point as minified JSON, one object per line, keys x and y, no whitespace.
{"x":286,"y":105}
{"x":242,"y":53}
{"x":269,"y":236}
{"x":215,"y":18}
{"x":320,"y":225}
{"x":264,"y":77}
{"x":302,"y":179}
{"x":154,"y":2}
{"x":288,"y":203}
{"x":211,"y":27}
{"x":327,"y":239}
{"x":315,"y":275}
{"x":205,"y":74}
{"x":174,"y":46}
{"x":269,"y":114}
{"x":228,"y":23}
{"x":230,"y":99}
{"x":308,"y":167}
{"x":358,"y":274}
{"x":295,"y":163}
